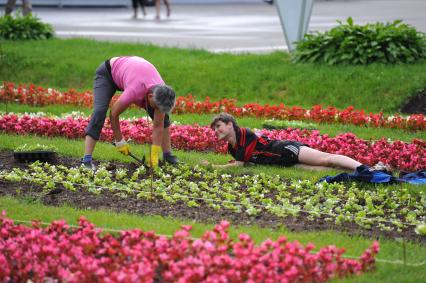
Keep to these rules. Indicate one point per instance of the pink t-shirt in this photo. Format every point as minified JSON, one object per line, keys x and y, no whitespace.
{"x":135,"y":76}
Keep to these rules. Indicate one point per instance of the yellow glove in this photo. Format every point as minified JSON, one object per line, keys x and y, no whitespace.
{"x":123,"y":147}
{"x":155,"y":152}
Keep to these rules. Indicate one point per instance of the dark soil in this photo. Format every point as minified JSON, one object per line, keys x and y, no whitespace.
{"x":416,"y":105}
{"x":110,"y":201}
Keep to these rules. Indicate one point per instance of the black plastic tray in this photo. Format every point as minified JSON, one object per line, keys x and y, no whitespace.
{"x":31,"y":156}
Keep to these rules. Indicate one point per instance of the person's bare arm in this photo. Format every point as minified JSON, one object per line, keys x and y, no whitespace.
{"x":114,"y":117}
{"x":158,"y":128}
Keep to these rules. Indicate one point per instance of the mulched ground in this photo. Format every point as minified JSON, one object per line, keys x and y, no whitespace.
{"x":416,"y":105}
{"x":111,"y":201}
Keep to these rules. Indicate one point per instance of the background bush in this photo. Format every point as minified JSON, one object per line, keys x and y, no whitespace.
{"x":24,"y":28}
{"x":354,"y":44}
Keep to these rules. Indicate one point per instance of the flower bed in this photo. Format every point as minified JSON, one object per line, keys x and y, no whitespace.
{"x":84,"y":254}
{"x":383,"y":208}
{"x":35,"y":95}
{"x":407,"y":157}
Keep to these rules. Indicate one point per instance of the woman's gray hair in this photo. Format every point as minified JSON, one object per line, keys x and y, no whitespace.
{"x":164,"y":97}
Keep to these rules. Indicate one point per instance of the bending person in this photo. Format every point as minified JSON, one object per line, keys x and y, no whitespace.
{"x":247,"y":147}
{"x":143,"y":86}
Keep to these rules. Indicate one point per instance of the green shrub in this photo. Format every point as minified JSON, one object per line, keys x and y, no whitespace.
{"x":24,"y":28}
{"x":354,"y":44}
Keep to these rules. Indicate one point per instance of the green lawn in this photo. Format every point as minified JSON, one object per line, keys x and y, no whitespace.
{"x":272,"y":78}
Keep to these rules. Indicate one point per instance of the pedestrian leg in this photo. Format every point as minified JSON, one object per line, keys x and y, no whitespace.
{"x":167,"y":3}
{"x":157,"y":9}
{"x":10,"y":5}
{"x":135,"y":9}
{"x":26,"y":7}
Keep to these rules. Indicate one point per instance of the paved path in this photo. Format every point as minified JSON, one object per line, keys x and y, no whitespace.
{"x":218,"y":28}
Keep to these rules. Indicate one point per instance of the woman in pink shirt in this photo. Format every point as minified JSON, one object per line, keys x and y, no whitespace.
{"x":143,"y":86}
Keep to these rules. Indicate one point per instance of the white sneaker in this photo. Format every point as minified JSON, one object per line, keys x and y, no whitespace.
{"x":89,"y":165}
{"x":380,"y":166}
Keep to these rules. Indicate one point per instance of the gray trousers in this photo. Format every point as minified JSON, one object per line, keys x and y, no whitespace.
{"x":10,"y":5}
{"x":104,"y":89}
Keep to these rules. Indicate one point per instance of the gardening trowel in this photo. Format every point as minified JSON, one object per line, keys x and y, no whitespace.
{"x":141,"y":161}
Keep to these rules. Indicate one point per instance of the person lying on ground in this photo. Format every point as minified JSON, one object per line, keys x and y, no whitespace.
{"x":247,"y":147}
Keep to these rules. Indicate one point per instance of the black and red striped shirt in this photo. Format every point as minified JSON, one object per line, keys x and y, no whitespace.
{"x":250,"y":147}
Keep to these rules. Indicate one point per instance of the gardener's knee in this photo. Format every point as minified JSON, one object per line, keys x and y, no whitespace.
{"x":99,"y":115}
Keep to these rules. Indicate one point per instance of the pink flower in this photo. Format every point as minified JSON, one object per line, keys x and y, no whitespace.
{"x":33,"y":253}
